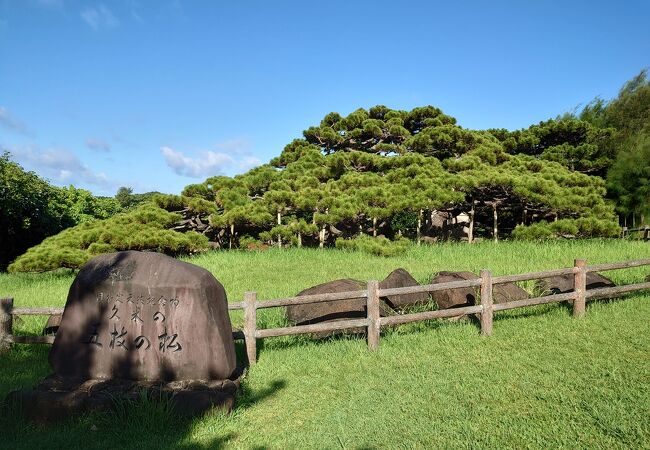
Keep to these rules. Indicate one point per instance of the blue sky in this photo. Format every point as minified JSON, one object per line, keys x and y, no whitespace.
{"x":161,"y":94}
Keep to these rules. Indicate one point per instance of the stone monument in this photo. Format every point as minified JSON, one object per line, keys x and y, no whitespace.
{"x":140,"y":321}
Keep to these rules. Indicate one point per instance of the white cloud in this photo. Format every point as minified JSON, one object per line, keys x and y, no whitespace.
{"x":99,"y":18}
{"x":98,"y":144}
{"x":8,"y":121}
{"x":248,"y":162}
{"x":61,"y":166}
{"x":209,"y":163}
{"x":232,"y":155}
{"x":240,"y":149}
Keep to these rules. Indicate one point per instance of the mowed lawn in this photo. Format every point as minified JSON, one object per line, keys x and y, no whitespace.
{"x":543,"y":380}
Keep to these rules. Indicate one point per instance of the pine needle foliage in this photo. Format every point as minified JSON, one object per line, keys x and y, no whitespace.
{"x":143,"y":228}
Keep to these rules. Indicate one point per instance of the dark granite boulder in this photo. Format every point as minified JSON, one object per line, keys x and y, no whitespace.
{"x":454,"y":298}
{"x":507,"y":292}
{"x":564,"y":283}
{"x":401,"y":278}
{"x":461,"y":297}
{"x":144,"y":316}
{"x":334,"y":310}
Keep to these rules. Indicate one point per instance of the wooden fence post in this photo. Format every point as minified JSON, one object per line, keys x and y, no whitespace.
{"x":250,"y":326}
{"x":580,"y":288}
{"x":373,"y":315}
{"x":6,"y":322}
{"x":486,"y":303}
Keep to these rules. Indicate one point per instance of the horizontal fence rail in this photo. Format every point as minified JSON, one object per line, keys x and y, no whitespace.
{"x":373,"y":321}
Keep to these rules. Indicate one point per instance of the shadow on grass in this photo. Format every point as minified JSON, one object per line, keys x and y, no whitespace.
{"x":146,"y":423}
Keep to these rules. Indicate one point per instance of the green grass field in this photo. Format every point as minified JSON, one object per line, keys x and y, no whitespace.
{"x":543,"y":380}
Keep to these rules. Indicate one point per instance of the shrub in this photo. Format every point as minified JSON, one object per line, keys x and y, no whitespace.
{"x":143,"y":228}
{"x":586,"y":227}
{"x":379,"y":246}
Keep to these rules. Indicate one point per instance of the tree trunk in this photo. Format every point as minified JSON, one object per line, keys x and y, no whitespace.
{"x":555,"y":219}
{"x":321,"y":237}
{"x":495,"y":230}
{"x":470,"y":234}
{"x":419,"y":233}
{"x":374,"y":227}
{"x":232,"y":234}
{"x":299,"y":239}
{"x":523,"y":217}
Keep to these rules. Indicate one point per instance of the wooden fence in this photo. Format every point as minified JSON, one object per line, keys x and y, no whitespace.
{"x":373,"y":320}
{"x":644,"y":232}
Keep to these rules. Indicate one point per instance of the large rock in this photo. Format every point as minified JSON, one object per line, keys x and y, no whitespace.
{"x":311,"y":313}
{"x":324,"y":311}
{"x":454,"y":298}
{"x":461,"y":297}
{"x":565,"y":283}
{"x":144,"y":316}
{"x":508,"y":292}
{"x":401,"y":278}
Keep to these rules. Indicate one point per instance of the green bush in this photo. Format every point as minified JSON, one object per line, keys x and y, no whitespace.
{"x":379,"y":246}
{"x":587,"y":227}
{"x":143,"y":228}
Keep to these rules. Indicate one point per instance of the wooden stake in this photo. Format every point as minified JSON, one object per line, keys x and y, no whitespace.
{"x":373,"y":315}
{"x":6,"y":322}
{"x":279,"y":223}
{"x":486,"y":303}
{"x":580,"y":288}
{"x":470,"y":234}
{"x":495,"y":230}
{"x":250,"y":326}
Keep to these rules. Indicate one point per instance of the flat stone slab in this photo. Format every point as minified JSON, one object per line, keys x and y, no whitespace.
{"x":144,"y":316}
{"x":58,"y":398}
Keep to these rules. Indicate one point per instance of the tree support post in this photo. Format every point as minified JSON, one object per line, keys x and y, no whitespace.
{"x":470,"y":233}
{"x":250,"y":326}
{"x":486,"y":303}
{"x":580,"y":288}
{"x":6,"y":322}
{"x":495,"y":229}
{"x":373,"y":315}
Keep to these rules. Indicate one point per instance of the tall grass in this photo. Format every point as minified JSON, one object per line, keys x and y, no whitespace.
{"x":542,"y":380}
